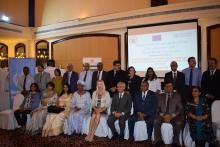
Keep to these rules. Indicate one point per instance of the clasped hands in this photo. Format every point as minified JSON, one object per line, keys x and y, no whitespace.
{"x":167,"y":118}
{"x":141,"y":115}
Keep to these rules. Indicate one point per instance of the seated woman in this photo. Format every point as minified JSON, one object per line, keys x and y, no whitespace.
{"x":30,"y":103}
{"x":199,"y":119}
{"x":81,"y":103}
{"x":57,"y":114}
{"x":38,"y":118}
{"x":100,"y":104}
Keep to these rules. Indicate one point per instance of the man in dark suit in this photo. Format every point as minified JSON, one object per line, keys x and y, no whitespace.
{"x":169,"y":110}
{"x":70,"y":77}
{"x":114,"y":76}
{"x":100,"y":74}
{"x":145,"y":106}
{"x":177,"y":78}
{"x":120,"y":110}
{"x":211,"y":81}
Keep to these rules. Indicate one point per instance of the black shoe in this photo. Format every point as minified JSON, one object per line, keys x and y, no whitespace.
{"x":158,"y":144}
{"x":121,"y":137}
{"x":115,"y":136}
{"x":149,"y":141}
{"x":131,"y":138}
{"x":174,"y":145}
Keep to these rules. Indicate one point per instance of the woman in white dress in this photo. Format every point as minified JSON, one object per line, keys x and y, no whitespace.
{"x":151,"y":78}
{"x":57,"y":114}
{"x":81,"y":103}
{"x":38,"y":116}
{"x":100,"y":104}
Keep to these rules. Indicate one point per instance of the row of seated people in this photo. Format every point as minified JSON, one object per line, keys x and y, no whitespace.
{"x":67,"y":112}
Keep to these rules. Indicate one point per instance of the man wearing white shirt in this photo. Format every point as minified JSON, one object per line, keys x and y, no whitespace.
{"x":25,"y":81}
{"x":86,"y":76}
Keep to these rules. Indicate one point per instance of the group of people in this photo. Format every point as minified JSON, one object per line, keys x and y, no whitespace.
{"x":61,"y":104}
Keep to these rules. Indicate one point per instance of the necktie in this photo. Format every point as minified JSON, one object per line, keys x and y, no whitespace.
{"x":167,"y":106}
{"x":98,"y":75}
{"x":84,"y":79}
{"x":120,"y":96}
{"x":115,"y":72}
{"x":40,"y":77}
{"x":69,"y":76}
{"x":174,"y":78}
{"x":143,"y":97}
{"x":24,"y":83}
{"x":212,"y":74}
{"x":190,"y":77}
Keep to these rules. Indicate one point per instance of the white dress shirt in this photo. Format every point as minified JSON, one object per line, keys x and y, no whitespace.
{"x":154,"y":85}
{"x":100,"y":75}
{"x":88,"y":81}
{"x":29,"y":81}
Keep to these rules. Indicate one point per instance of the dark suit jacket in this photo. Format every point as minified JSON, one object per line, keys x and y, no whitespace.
{"x":123,"y":105}
{"x":180,"y":80}
{"x":148,"y":106}
{"x":134,"y":86}
{"x":112,"y":80}
{"x":211,"y":86}
{"x":94,"y":78}
{"x":175,"y":105}
{"x":73,"y":80}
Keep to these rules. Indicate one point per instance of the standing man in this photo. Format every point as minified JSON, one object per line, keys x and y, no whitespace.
{"x":42,"y":78}
{"x":169,"y":110}
{"x":86,"y":76}
{"x":145,"y":107}
{"x":100,"y":74}
{"x":193,"y":77}
{"x":177,"y":78}
{"x":211,"y":81}
{"x":70,"y":77}
{"x":25,"y":81}
{"x":120,"y":110}
{"x":114,"y":76}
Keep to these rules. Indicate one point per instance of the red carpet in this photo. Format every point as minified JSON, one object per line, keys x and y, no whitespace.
{"x":17,"y":138}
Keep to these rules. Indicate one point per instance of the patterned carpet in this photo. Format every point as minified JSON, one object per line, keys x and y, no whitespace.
{"x":17,"y":138}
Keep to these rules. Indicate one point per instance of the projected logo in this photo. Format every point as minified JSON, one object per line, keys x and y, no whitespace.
{"x":156,"y":38}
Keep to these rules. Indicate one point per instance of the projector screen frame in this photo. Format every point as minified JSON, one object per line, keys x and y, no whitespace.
{"x":198,"y":58}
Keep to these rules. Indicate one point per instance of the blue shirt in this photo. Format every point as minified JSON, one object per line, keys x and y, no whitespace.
{"x":196,"y":79}
{"x":32,"y":101}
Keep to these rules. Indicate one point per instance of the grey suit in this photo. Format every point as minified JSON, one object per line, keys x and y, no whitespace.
{"x":42,"y":79}
{"x":123,"y":106}
{"x":175,"y":109}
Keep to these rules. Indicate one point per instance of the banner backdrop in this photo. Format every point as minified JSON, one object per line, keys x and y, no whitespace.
{"x":15,"y":70}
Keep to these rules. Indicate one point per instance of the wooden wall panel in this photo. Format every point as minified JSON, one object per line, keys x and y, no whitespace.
{"x":73,"y":51}
{"x":215,"y":44}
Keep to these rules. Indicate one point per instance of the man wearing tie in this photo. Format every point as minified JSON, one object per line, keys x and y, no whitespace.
{"x":211,"y":81}
{"x":70,"y":77}
{"x":169,"y":110}
{"x":114,"y":76}
{"x":193,"y":77}
{"x":177,"y":78}
{"x":86,"y":76}
{"x":42,"y":78}
{"x":120,"y":110}
{"x":145,"y":106}
{"x":100,"y":74}
{"x":25,"y":81}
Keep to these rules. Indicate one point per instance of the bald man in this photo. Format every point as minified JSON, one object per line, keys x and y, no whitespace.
{"x":70,"y":77}
{"x":177,"y":78}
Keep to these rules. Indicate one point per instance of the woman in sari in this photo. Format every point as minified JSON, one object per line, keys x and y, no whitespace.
{"x":57,"y":114}
{"x":100,"y":103}
{"x":38,"y":116}
{"x":199,"y":119}
{"x":81,"y":103}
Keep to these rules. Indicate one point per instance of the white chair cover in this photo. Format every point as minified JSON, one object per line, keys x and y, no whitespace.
{"x":187,"y":138}
{"x":7,"y":118}
{"x":216,"y":118}
{"x":167,"y":133}
{"x":140,"y":131}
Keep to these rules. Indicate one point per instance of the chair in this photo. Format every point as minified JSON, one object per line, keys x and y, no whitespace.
{"x":215,"y":118}
{"x":7,"y":118}
{"x":167,"y":133}
{"x":140,"y":131}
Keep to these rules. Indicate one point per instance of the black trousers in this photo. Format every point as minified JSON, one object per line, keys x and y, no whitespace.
{"x":21,"y":116}
{"x":133,"y":119}
{"x":111,"y":123}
